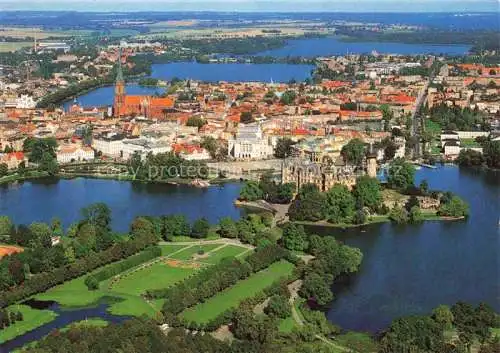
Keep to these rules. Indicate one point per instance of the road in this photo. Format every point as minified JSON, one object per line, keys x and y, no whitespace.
{"x":416,"y":117}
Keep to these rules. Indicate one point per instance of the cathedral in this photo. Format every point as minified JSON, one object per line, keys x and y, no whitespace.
{"x":150,"y":107}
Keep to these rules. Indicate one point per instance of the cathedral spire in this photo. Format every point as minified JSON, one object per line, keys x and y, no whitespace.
{"x":119,"y":75}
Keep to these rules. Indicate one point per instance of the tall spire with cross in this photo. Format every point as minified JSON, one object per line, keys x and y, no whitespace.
{"x":119,"y":102}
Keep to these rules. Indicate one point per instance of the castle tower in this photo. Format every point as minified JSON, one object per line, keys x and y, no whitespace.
{"x":119,"y":102}
{"x":371,"y":163}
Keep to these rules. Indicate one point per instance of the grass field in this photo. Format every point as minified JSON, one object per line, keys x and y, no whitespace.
{"x":129,"y":288}
{"x":159,"y":275}
{"x":189,"y":252}
{"x":6,"y":47}
{"x":233,"y":296}
{"x":32,"y":319}
{"x":286,"y":325}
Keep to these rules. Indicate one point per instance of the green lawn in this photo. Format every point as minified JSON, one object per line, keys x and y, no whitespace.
{"x":157,"y":276}
{"x":170,"y":248}
{"x":227,"y":251}
{"x":232,"y":297}
{"x":286,"y":325}
{"x":32,"y":319}
{"x":188,"y":253}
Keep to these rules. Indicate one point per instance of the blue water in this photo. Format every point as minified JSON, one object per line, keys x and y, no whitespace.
{"x":43,"y":199}
{"x":103,"y":96}
{"x":412,"y":269}
{"x":232,"y":72}
{"x":313,"y":47}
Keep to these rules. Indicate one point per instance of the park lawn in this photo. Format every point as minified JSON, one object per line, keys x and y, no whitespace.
{"x":286,"y":325}
{"x":470,"y":143}
{"x":157,"y":276}
{"x":226,"y":251}
{"x":32,"y":319}
{"x":233,"y":296}
{"x":168,"y":249}
{"x":188,"y":253}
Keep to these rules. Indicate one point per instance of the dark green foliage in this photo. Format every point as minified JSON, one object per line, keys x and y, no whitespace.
{"x":200,"y":228}
{"x":138,"y":335}
{"x":283,"y":148}
{"x":175,"y":226}
{"x":401,"y":174}
{"x":317,"y":287}
{"x":278,"y":306}
{"x":340,"y":204}
{"x":413,"y":334}
{"x":454,"y":207}
{"x":228,"y":228}
{"x":295,"y":237}
{"x":354,"y":152}
{"x":367,"y":192}
{"x":309,"y":205}
{"x":251,"y":191}
{"x":456,"y":118}
{"x":469,"y":158}
{"x":8,"y":318}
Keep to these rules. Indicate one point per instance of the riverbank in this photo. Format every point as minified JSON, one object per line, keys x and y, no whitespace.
{"x":14,"y":178}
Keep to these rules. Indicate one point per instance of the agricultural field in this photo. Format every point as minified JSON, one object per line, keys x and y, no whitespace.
{"x":233,"y":296}
{"x":6,"y":47}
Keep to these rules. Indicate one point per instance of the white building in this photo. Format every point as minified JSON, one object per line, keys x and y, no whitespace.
{"x":118,"y":147}
{"x":250,"y":143}
{"x":74,"y":153}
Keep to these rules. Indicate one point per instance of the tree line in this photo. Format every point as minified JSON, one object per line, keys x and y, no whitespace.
{"x":9,"y":317}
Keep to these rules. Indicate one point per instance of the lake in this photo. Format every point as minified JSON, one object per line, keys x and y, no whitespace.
{"x":232,"y":72}
{"x":405,"y":270}
{"x":104,"y":96}
{"x":43,"y":199}
{"x":327,"y":46}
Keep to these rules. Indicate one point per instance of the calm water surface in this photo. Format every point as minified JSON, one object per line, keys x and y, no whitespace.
{"x":312,"y":47}
{"x":41,"y":200}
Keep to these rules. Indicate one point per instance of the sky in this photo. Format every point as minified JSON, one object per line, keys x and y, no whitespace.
{"x":257,"y":5}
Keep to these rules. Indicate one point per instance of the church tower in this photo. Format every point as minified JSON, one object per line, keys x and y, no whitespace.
{"x":119,"y":102}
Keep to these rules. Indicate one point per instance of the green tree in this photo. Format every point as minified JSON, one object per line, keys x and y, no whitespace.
{"x":354,"y":152}
{"x":340,"y":204}
{"x":455,"y":207}
{"x":491,"y":150}
{"x":246,"y":117}
{"x":6,"y":226}
{"x":92,"y":283}
{"x":4,"y":169}
{"x":200,"y":228}
{"x":415,"y":215}
{"x":251,"y":191}
{"x":443,"y":316}
{"x":398,"y":215}
{"x":368,"y":192}
{"x":228,"y":228}
{"x":401,"y":174}
{"x":288,"y":97}
{"x":310,"y":205}
{"x":48,"y":164}
{"x":195,"y":121}
{"x":283,"y":147}
{"x":278,"y":307}
{"x":294,"y":237}
{"x":318,"y":288}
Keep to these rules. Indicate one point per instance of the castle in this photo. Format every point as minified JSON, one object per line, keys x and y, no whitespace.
{"x":150,"y":107}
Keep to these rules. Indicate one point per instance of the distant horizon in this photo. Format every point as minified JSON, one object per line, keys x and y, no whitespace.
{"x":247,"y":6}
